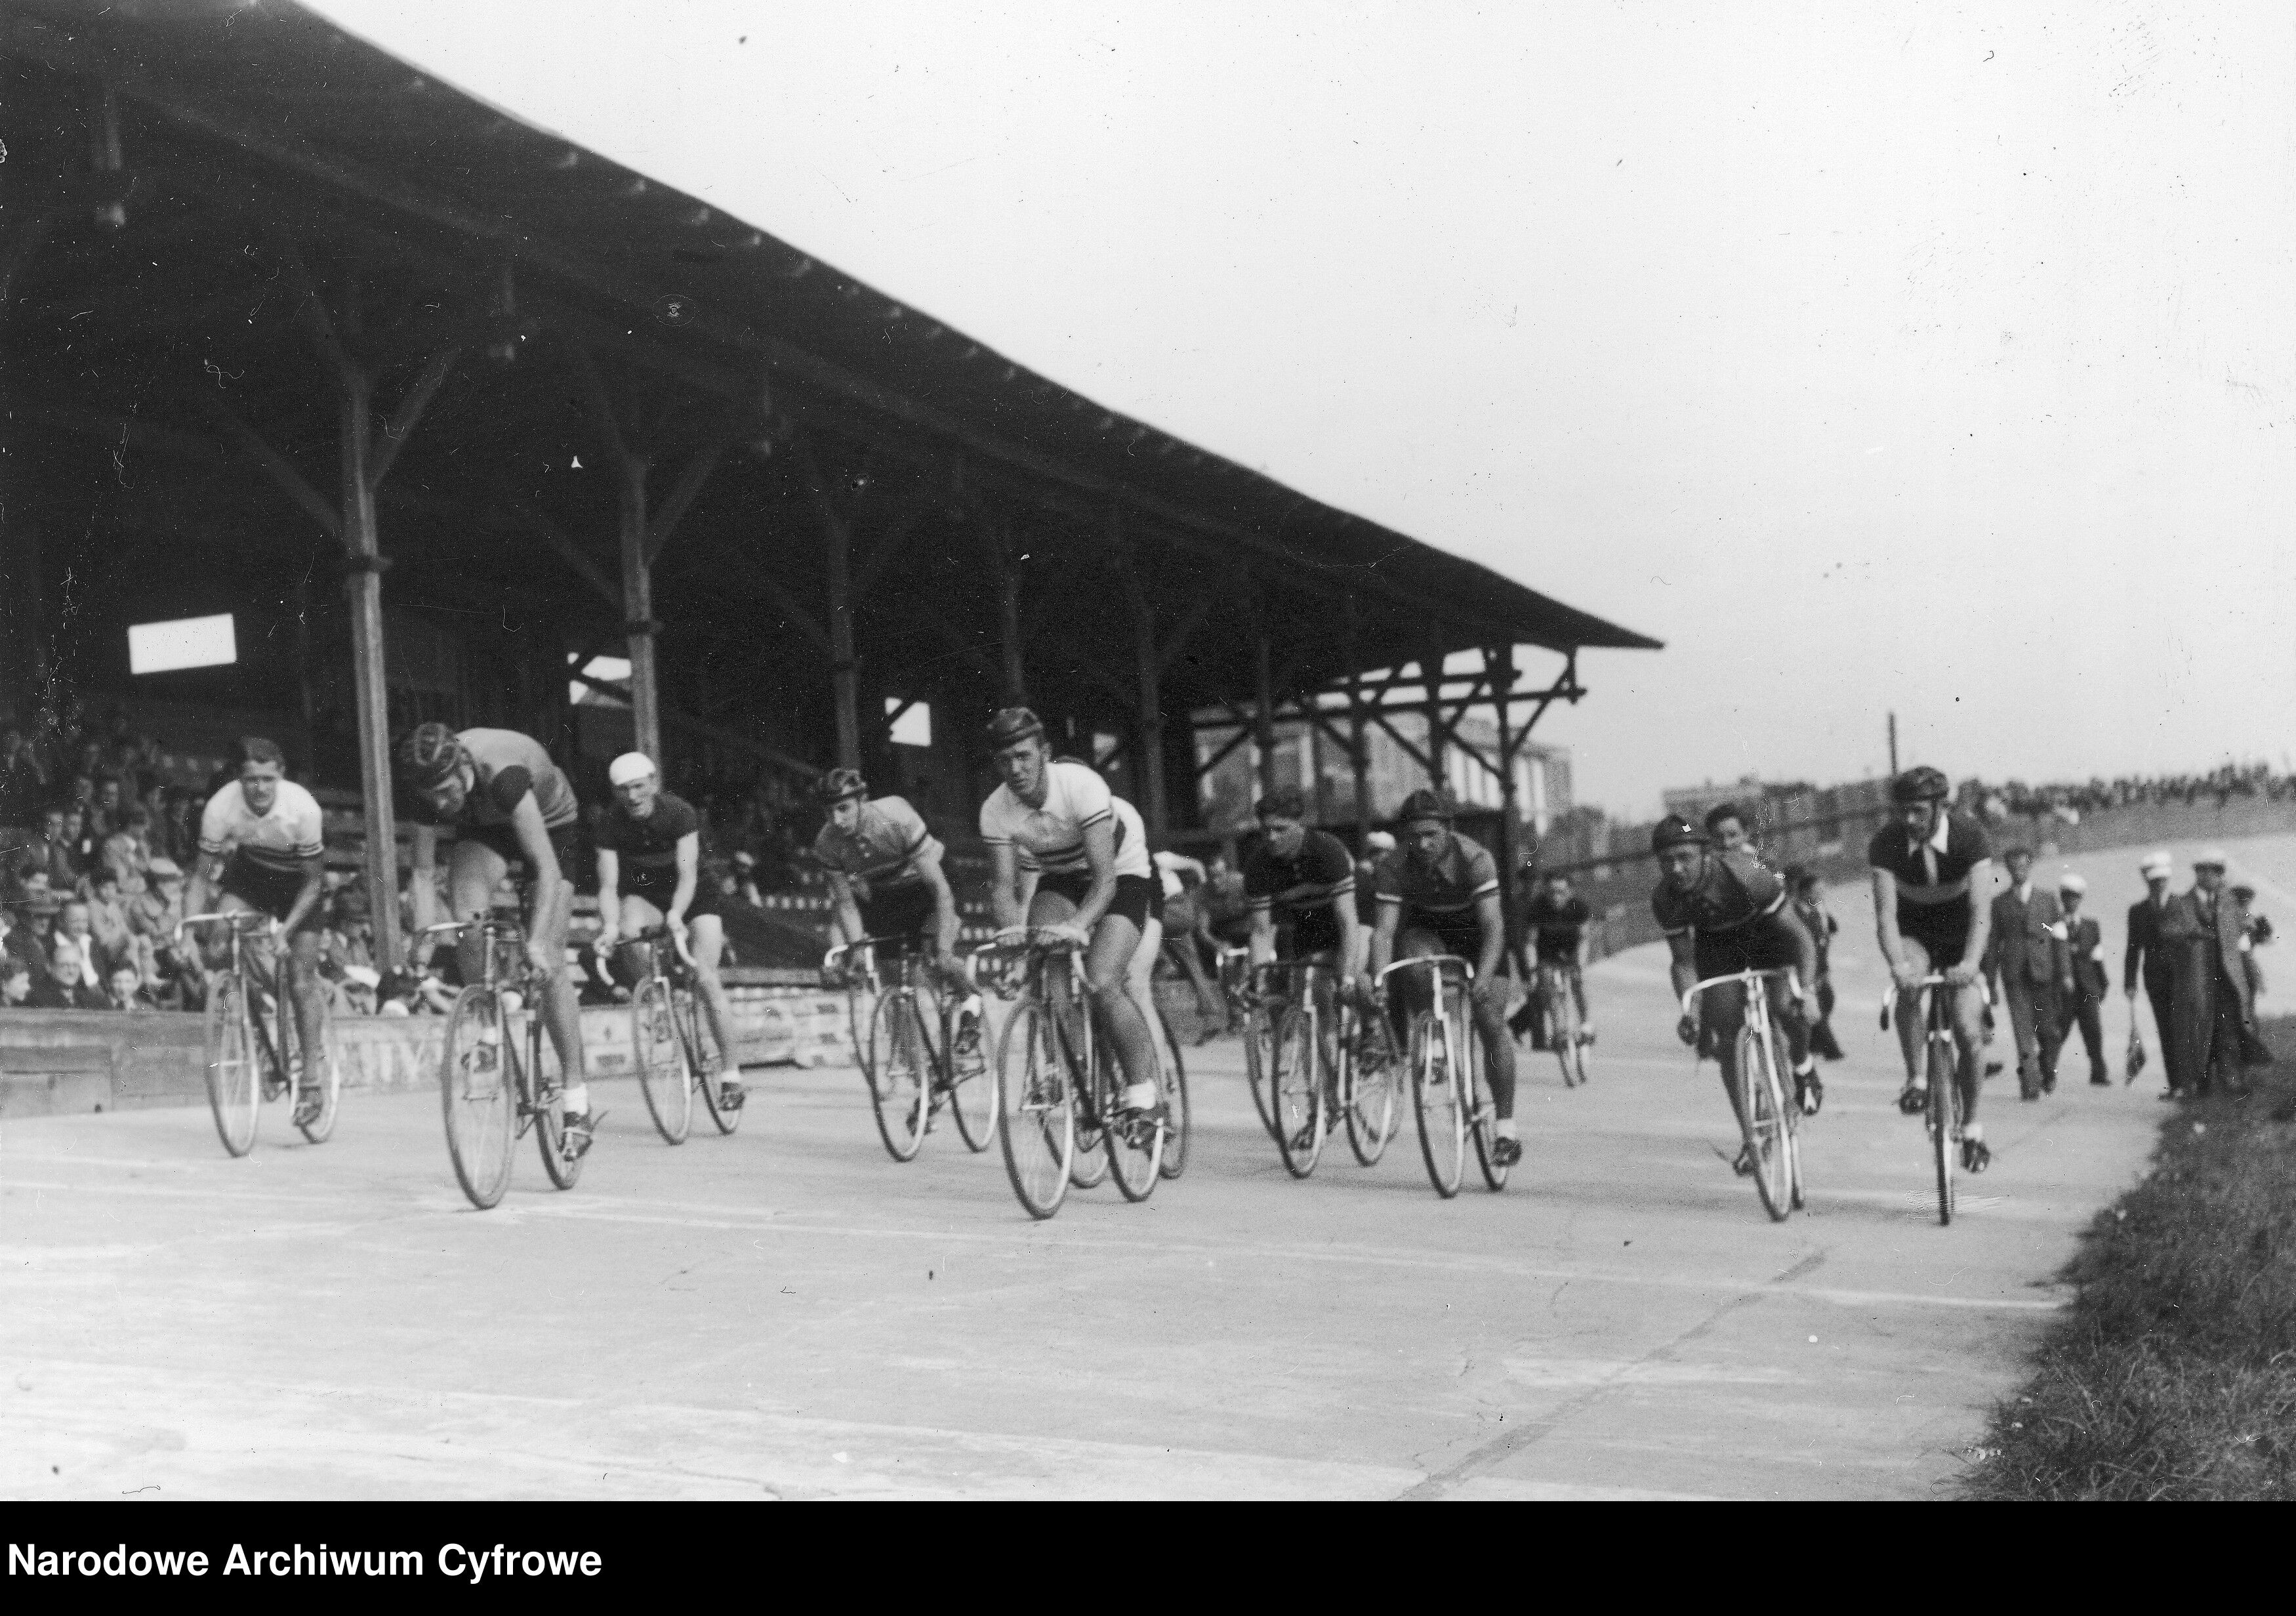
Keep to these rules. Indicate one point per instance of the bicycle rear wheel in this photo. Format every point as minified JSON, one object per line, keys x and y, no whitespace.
{"x":902,"y":1094}
{"x":663,"y":1076}
{"x":1259,"y":1062}
{"x":234,"y":1065}
{"x":1943,"y":1123}
{"x":1073,"y":1037}
{"x":476,"y":1094}
{"x":1036,"y":1122}
{"x":1134,"y":1143}
{"x":1435,"y":1099}
{"x":972,"y":1084}
{"x":1177,"y":1125}
{"x":1482,"y":1116}
{"x":1297,"y":1091}
{"x":328,"y":1085}
{"x":560,"y":1159}
{"x":1761,"y":1119}
{"x":858,"y":1018}
{"x":703,"y":1059}
{"x":1371,"y":1111}
{"x":1562,"y":1034}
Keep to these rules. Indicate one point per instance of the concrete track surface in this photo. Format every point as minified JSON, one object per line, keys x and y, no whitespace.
{"x":789,"y":1313}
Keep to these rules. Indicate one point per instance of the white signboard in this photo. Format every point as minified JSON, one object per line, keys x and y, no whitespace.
{"x":184,"y":642}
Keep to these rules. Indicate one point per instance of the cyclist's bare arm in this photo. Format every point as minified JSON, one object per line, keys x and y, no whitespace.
{"x":1885,"y":921}
{"x":689,"y":877}
{"x":200,"y":891}
{"x":1805,"y":950}
{"x":1682,"y":963}
{"x":609,"y":897}
{"x":843,"y":912}
{"x":944,"y":902}
{"x":1263,"y":936}
{"x":1383,"y":936}
{"x":1343,"y":910}
{"x":1986,"y":880}
{"x":552,"y":895}
{"x":1493,"y":920}
{"x":1006,"y":901}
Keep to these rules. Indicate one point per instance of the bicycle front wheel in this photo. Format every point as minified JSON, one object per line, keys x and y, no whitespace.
{"x":1073,"y":1033}
{"x":1176,"y":1126}
{"x":476,"y":1093}
{"x":561,"y":1156}
{"x":1372,"y":1106}
{"x":972,"y":1079}
{"x":704,"y":1060}
{"x":1435,"y":1097}
{"x":1562,"y":1035}
{"x":1297,"y":1092}
{"x":1259,"y":1064}
{"x":1036,"y":1122}
{"x":1762,"y":1121}
{"x":1944,"y":1122}
{"x":902,"y":1092}
{"x":234,"y":1067}
{"x":1482,"y":1112}
{"x":321,"y":1082}
{"x":663,"y":1077}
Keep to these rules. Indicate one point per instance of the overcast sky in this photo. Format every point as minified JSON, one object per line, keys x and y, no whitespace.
{"x":1873,"y":356}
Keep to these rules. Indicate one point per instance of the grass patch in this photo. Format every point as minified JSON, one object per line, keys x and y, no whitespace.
{"x":2173,"y":1374}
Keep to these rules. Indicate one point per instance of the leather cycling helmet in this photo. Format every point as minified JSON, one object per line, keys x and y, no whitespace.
{"x":1014,"y":723}
{"x":1920,"y":784}
{"x":430,"y":754}
{"x":1676,"y":832}
{"x":838,"y":784}
{"x":1424,"y":804}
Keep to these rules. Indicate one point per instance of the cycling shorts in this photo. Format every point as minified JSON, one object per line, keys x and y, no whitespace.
{"x":1753,"y":947}
{"x":502,"y":840}
{"x":270,"y":890}
{"x":1459,"y":932}
{"x":705,"y":894}
{"x":1943,"y":938}
{"x":1139,"y":898}
{"x":905,"y":912}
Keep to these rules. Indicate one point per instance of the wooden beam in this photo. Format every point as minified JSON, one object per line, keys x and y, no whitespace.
{"x":273,"y":464}
{"x":890,"y":544}
{"x":1220,"y":757}
{"x":311,"y":308}
{"x":417,"y":399}
{"x":703,"y":730}
{"x":843,"y":665}
{"x":798,"y":617}
{"x":1176,"y":642}
{"x":563,"y":546}
{"x":688,"y":487}
{"x":371,"y":692}
{"x":599,"y":403}
{"x":638,"y":627}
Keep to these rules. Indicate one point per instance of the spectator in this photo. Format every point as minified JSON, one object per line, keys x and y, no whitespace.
{"x":2259,"y":932}
{"x":110,"y":814}
{"x":16,"y":981}
{"x":127,"y":851}
{"x":1376,"y":846}
{"x":152,"y":916}
{"x":158,"y":835}
{"x":1726,"y":822}
{"x":1809,"y":905}
{"x":75,"y":922}
{"x":2030,"y":966}
{"x":744,"y":880}
{"x":1227,"y":912}
{"x":358,"y":987}
{"x":107,"y":923}
{"x":65,"y":987}
{"x":82,"y":846}
{"x":2150,"y":956}
{"x":51,"y":855}
{"x":23,"y":782}
{"x":125,"y":990}
{"x":37,"y":907}
{"x":2206,"y":930}
{"x":18,"y":942}
{"x":1185,"y":930}
{"x":2084,"y":1005}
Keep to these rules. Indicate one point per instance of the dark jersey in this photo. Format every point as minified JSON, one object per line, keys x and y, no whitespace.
{"x":1736,"y":890}
{"x":646,"y":850}
{"x":1932,"y":876}
{"x":509,"y":765}
{"x":1454,"y":883}
{"x":1556,"y":928}
{"x":1321,"y":861}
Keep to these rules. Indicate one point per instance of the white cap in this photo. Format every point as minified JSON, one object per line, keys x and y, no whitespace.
{"x":1379,"y":841}
{"x":2071,"y":882}
{"x":2214,"y":855}
{"x":628,"y":767}
{"x":2156,"y":864}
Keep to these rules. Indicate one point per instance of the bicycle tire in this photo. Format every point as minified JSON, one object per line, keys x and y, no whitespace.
{"x":857,"y":1020}
{"x":705,"y":1062}
{"x":1297,"y":1091}
{"x":321,"y":1128}
{"x":1133,"y":1143}
{"x":1562,"y":1032}
{"x":1178,"y":1127}
{"x":1371,"y":1116}
{"x":664,"y":1077}
{"x":1259,"y":1059}
{"x":234,"y":1077}
{"x":1761,"y":1121}
{"x":1483,"y":1124}
{"x":1944,"y":1118}
{"x":972,"y":1084}
{"x":901,"y":1098}
{"x":1073,"y":1039}
{"x":1036,"y":1122}
{"x":1435,"y":1101}
{"x":549,"y":1099}
{"x":480,"y":1102}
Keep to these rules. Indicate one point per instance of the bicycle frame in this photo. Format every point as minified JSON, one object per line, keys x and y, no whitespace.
{"x":1942,"y":1057}
{"x":270,"y":1039}
{"x":1776,"y":1171}
{"x":1446,"y":1060}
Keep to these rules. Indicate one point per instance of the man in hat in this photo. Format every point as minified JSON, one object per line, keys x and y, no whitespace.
{"x":2027,"y":961}
{"x":2206,"y":930}
{"x":2148,"y":957}
{"x":2084,"y":1006}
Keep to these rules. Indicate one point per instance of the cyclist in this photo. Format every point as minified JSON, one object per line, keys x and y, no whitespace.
{"x":1934,"y":879}
{"x":510,"y":805}
{"x":649,"y":874}
{"x":1066,"y":860}
{"x":1556,"y":918}
{"x":1302,"y":885}
{"x":885,"y":880}
{"x":1724,"y":912}
{"x":1439,"y":893}
{"x":261,"y":846}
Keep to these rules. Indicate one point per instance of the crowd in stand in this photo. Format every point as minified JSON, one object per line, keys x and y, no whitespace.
{"x":2068,"y":801}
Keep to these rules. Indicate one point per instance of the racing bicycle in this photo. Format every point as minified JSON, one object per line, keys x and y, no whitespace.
{"x":1767,"y":1117}
{"x":671,"y":1043}
{"x":1448,"y":1092}
{"x":491,"y":1091}
{"x":251,"y":1058}
{"x":1565,"y":1032}
{"x":1326,"y":1063}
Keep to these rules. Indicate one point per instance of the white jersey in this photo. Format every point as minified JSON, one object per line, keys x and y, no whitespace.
{"x":280,"y":839}
{"x":1050,"y":838}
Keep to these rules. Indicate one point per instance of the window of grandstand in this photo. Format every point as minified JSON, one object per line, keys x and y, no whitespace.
{"x":912,"y":721}
{"x":613,"y":670}
{"x":179,"y":643}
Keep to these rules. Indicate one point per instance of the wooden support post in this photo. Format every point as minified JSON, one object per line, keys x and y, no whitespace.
{"x":1149,"y":665}
{"x":637,"y":610}
{"x":1010,"y":639}
{"x":1263,"y":713}
{"x":362,"y":583}
{"x":1359,"y":733}
{"x":1438,"y":760}
{"x":1498,"y":670}
{"x":843,"y":670}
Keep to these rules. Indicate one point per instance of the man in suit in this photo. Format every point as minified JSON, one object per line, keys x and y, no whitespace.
{"x":63,"y":988}
{"x":2148,"y":957}
{"x":2206,"y":930}
{"x":2032,"y":970}
{"x":2092,"y":982}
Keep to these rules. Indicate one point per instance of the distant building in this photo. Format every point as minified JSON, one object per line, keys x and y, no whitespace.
{"x":1306,"y":758}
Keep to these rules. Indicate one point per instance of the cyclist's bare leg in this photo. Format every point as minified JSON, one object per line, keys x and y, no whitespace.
{"x":1969,"y":1035}
{"x":1723,"y":1014}
{"x":304,"y":987}
{"x":472,"y":874}
{"x":561,"y":1004}
{"x":1498,"y":1053}
{"x":1908,"y":1013}
{"x":706,"y":942}
{"x":1107,"y":963}
{"x":1140,"y":984}
{"x":638,"y":914}
{"x":1409,"y":994}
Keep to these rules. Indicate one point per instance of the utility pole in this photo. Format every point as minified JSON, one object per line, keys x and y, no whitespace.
{"x":1893,"y":746}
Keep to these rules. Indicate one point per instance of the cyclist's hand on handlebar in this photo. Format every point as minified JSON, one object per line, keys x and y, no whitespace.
{"x":1906,"y":975}
{"x":538,"y":956}
{"x":1487,"y":991}
{"x":1686,"y":1029}
{"x":1069,"y":931}
{"x":1961,"y":975}
{"x":1012,"y":937}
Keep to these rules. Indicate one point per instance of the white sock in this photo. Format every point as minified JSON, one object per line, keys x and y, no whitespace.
{"x":1808,"y":1063}
{"x":1506,"y":1127}
{"x":1972,"y":1130}
{"x":732,"y":1074}
{"x":1140,"y":1097}
{"x":971,"y":1007}
{"x":578,"y":1098}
